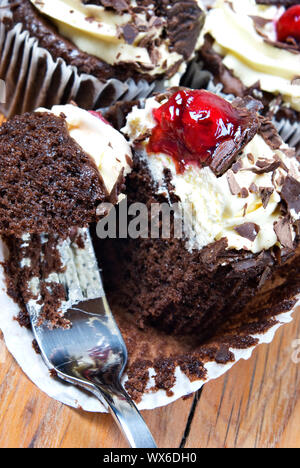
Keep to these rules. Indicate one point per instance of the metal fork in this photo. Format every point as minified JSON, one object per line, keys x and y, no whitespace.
{"x":91,"y":353}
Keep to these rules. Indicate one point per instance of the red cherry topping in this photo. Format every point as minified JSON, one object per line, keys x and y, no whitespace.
{"x":98,"y":115}
{"x":288,"y":24}
{"x":191,"y":125}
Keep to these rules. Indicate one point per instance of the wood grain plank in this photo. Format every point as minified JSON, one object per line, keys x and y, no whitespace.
{"x":257,"y":403}
{"x":29,"y":418}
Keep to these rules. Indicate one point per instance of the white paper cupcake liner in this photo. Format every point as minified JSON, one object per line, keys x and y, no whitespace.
{"x":33,"y":79}
{"x":19,"y":342}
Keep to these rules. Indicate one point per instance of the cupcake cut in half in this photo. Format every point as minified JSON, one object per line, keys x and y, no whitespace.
{"x":238,"y":185}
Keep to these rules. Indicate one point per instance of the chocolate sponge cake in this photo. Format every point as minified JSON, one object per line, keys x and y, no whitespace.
{"x":238,"y":186}
{"x":48,"y":182}
{"x":46,"y":178}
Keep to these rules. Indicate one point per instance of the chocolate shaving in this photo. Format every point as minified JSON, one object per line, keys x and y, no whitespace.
{"x":279,"y":181}
{"x":283,"y":230}
{"x":233,"y":184}
{"x":253,"y":188}
{"x":184,"y":23}
{"x":237,"y":166}
{"x":223,"y":157}
{"x":244,"y":193}
{"x":260,"y":22}
{"x":265,"y":194}
{"x":130,"y":32}
{"x":248,"y":231}
{"x":291,"y":45}
{"x":120,"y":6}
{"x":265,"y":276}
{"x":251,"y":158}
{"x":263,"y":166}
{"x":269,"y":133}
{"x":227,"y":153}
{"x":291,"y":193}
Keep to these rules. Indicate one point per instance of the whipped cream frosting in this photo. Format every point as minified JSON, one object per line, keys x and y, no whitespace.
{"x":211,"y":210}
{"x":99,"y":31}
{"x":105,"y":145}
{"x":246,"y":52}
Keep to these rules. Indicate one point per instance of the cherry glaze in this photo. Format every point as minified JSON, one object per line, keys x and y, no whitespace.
{"x":288,"y":24}
{"x":191,"y":125}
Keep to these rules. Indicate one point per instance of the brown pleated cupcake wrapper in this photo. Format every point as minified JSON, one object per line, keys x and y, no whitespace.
{"x":33,"y":79}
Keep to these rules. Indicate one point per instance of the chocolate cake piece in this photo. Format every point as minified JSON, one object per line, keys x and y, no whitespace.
{"x":199,"y":282}
{"x":47,"y":182}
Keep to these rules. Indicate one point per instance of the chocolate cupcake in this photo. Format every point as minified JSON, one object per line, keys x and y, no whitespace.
{"x":253,"y":48}
{"x":94,"y":52}
{"x":179,"y":301}
{"x":238,"y":186}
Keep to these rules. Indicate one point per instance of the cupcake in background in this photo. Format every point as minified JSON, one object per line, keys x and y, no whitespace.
{"x":93,"y":51}
{"x":253,"y":47}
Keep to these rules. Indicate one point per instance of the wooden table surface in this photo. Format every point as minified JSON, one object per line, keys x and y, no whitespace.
{"x":256,"y":404}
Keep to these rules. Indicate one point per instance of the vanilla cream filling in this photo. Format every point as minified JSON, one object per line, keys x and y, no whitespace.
{"x":95,"y":30}
{"x":247,"y":54}
{"x":211,"y":211}
{"x":105,"y":145}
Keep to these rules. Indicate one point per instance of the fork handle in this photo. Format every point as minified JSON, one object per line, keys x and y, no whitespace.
{"x":126,"y":415}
